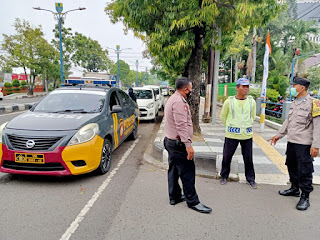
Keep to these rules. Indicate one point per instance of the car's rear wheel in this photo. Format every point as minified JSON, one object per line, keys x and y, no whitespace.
{"x":134,"y":134}
{"x":106,"y":155}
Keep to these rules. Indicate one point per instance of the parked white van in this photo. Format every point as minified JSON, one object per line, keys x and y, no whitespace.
{"x":159,"y":96}
{"x":147,"y":103}
{"x":164,"y":90}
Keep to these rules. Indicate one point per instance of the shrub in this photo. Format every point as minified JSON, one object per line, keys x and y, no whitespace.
{"x":16,"y":83}
{"x":272,"y":94}
{"x":23,"y":83}
{"x":255,"y":93}
{"x":7,"y":85}
{"x":24,"y":87}
{"x":16,"y":89}
{"x":223,"y":98}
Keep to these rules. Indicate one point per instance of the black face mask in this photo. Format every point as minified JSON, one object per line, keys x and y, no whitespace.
{"x":189,"y":94}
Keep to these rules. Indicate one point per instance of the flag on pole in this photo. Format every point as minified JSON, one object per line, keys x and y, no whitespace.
{"x":264,"y":82}
{"x":266,"y":67}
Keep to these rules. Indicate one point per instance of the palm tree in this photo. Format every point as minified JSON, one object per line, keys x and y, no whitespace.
{"x":298,"y":34}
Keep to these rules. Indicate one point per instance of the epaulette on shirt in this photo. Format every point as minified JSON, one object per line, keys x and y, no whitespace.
{"x":316,"y":108}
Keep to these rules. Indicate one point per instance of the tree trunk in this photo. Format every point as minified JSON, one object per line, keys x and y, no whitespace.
{"x":194,"y":73}
{"x":254,"y":56}
{"x":31,"y":85}
{"x":236,"y":70}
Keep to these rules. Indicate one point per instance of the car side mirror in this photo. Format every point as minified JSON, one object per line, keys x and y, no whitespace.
{"x":157,"y":97}
{"x":116,"y":109}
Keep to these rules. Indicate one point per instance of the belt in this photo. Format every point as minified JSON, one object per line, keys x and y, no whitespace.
{"x":177,"y":142}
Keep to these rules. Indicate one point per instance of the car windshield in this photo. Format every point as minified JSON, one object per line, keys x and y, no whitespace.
{"x":143,"y":94}
{"x":72,"y":102}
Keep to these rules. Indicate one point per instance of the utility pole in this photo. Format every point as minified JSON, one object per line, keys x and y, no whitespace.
{"x":146,"y":75}
{"x":60,"y":16}
{"x":118,"y":76}
{"x":137,"y":64}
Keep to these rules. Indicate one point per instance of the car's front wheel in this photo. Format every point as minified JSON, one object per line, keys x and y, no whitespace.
{"x":134,"y":134}
{"x":106,"y":154}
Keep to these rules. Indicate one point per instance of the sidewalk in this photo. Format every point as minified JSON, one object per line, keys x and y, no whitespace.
{"x":269,"y":161}
{"x":11,"y":107}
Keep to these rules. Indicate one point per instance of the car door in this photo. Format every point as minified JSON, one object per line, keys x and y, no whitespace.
{"x":128,"y":114}
{"x":117,"y":118}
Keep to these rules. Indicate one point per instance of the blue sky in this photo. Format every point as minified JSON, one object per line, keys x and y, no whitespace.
{"x":92,"y":22}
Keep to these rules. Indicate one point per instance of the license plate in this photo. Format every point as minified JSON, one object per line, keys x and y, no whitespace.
{"x":29,"y":158}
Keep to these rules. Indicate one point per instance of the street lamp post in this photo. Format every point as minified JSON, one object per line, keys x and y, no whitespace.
{"x":60,"y":16}
{"x":118,"y":51}
{"x":137,"y":64}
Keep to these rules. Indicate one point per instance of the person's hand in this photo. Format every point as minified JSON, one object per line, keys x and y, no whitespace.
{"x":190,"y":152}
{"x":314,"y":152}
{"x":273,"y":140}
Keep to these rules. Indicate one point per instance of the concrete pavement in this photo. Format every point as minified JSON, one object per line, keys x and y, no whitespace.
{"x":269,"y":161}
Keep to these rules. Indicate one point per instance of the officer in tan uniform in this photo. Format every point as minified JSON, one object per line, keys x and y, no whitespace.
{"x":302,"y":128}
{"x":178,"y":134}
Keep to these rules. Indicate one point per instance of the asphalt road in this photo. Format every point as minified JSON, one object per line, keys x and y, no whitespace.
{"x":42,"y":207}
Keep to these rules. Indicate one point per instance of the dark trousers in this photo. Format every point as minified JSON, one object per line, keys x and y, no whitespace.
{"x":180,"y":166}
{"x":300,"y":166}
{"x":229,"y":148}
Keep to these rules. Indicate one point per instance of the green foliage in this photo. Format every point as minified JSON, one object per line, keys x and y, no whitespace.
{"x":255,"y":93}
{"x":314,"y":78}
{"x":15,"y":83}
{"x":221,"y":98}
{"x":7,"y":85}
{"x":89,"y":54}
{"x":28,"y":49}
{"x":274,"y":119}
{"x":124,"y":70}
{"x":278,"y":82}
{"x":272,"y":95}
{"x":23,"y":83}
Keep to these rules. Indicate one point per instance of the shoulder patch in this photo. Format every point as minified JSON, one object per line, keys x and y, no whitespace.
{"x":316,"y":108}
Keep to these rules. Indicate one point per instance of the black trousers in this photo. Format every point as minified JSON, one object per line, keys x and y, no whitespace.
{"x":180,"y":166}
{"x":300,"y":166}
{"x":229,"y":148}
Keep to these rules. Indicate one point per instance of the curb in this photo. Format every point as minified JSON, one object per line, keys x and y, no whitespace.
{"x":19,"y":96}
{"x":16,"y":108}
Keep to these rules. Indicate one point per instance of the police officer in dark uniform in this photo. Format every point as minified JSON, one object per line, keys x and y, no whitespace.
{"x":302,"y":128}
{"x":178,"y":135}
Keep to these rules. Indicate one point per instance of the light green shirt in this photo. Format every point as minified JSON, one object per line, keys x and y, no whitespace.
{"x":226,"y":111}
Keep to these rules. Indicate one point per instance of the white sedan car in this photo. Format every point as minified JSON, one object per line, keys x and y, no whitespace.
{"x":147,"y":103}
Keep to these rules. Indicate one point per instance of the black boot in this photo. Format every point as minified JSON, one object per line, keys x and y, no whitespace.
{"x":303,"y":204}
{"x":293,"y":191}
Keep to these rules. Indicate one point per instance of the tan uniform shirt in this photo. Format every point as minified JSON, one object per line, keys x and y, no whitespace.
{"x":300,"y":126}
{"x":178,"y":119}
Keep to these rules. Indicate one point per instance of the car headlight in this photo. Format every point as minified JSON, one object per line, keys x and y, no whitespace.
{"x":85,"y":134}
{"x":150,"y":105}
{"x":1,"y":130}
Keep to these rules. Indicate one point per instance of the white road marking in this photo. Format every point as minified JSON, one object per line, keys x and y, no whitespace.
{"x":6,"y":114}
{"x":75,"y":224}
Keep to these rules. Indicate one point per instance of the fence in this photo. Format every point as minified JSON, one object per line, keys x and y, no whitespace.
{"x":273,"y":109}
{"x":227,"y":89}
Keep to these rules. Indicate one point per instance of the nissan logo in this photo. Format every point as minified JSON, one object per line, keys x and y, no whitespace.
{"x":30,"y":144}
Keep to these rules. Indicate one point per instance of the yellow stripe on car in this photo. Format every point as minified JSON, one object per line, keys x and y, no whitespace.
{"x":115,"y":130}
